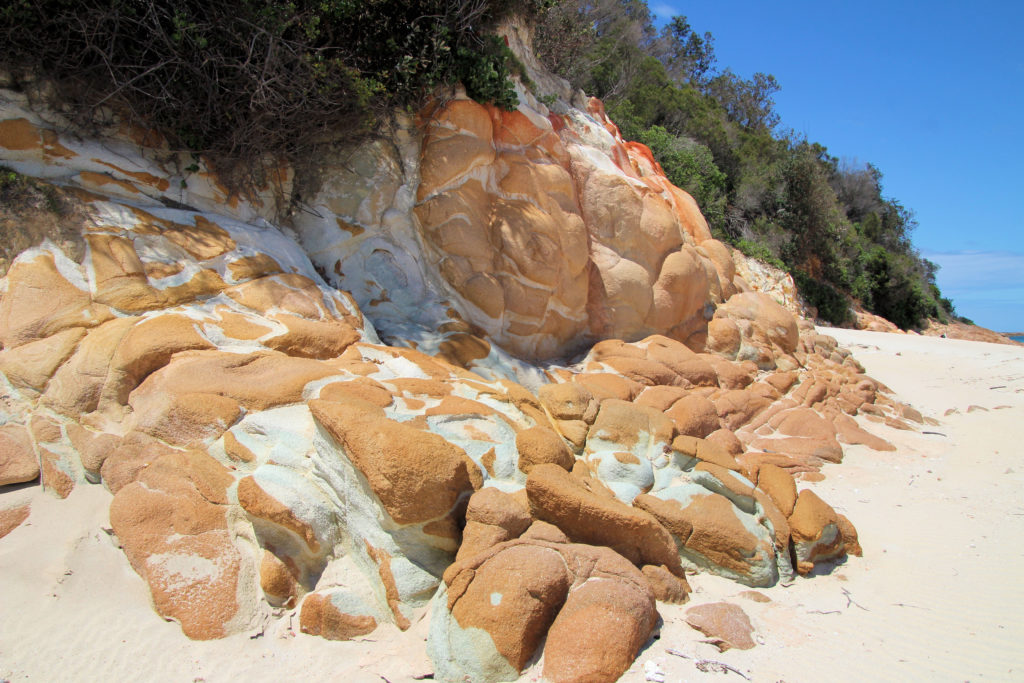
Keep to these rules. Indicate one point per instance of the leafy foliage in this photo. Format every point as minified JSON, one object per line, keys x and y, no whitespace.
{"x":767,"y":191}
{"x":245,"y":79}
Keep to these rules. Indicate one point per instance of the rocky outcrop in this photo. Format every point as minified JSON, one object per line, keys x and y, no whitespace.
{"x":593,"y":608}
{"x":493,"y":341}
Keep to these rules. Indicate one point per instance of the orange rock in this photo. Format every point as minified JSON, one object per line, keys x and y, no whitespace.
{"x":362,"y":388}
{"x":731,"y":375}
{"x":77,"y":386}
{"x":667,"y":587}
{"x":30,"y":366}
{"x":804,"y":422}
{"x":627,"y":425}
{"x":801,"y":448}
{"x":237,"y":326}
{"x":661,"y":397}
{"x":45,"y":429}
{"x":18,"y":461}
{"x":53,"y":474}
{"x":738,"y":407}
{"x":418,"y":476}
{"x":694,"y":416}
{"x":644,"y":371}
{"x":514,"y":596}
{"x":40,"y":302}
{"x":204,"y":282}
{"x":251,"y":267}
{"x":727,"y":625}
{"x":258,"y":381}
{"x":133,"y":454}
{"x":711,"y":526}
{"x":568,"y":401}
{"x":815,"y":529}
{"x":312,"y":338}
{"x":147,"y":347}
{"x":539,"y":445}
{"x":173,"y":527}
{"x":11,"y":518}
{"x":204,"y":240}
{"x":608,"y":385}
{"x":726,"y":439}
{"x":263,"y":506}
{"x":278,"y":584}
{"x":568,"y":503}
{"x":290,"y":293}
{"x":706,"y":451}
{"x":601,"y":627}
{"x":780,"y":487}
{"x":697,"y":372}
{"x":724,"y":337}
{"x":848,"y":431}
{"x":321,"y":616}
{"x":851,"y":542}
{"x":491,"y":518}
{"x":192,"y":420}
{"x":463,"y":349}
{"x":782,"y":381}
{"x":119,"y":275}
{"x":769,"y":320}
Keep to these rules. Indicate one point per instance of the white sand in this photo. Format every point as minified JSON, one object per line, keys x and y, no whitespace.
{"x":937,"y":596}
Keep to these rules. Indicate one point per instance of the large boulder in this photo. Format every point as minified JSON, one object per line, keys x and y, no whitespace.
{"x":586,"y":517}
{"x":594,"y":608}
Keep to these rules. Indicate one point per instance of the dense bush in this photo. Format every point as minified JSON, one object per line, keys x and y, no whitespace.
{"x":831,"y":304}
{"x":244,"y":79}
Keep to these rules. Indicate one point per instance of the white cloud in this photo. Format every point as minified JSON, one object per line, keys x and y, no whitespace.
{"x":664,"y":11}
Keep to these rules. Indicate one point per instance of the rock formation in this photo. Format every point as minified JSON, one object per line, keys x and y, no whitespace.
{"x":495,"y":340}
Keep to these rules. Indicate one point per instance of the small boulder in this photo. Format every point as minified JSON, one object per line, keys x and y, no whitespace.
{"x":815,"y":529}
{"x":725,"y":624}
{"x":18,"y":461}
{"x":336,"y":614}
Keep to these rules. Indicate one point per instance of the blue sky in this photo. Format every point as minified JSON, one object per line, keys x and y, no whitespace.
{"x":930,"y":93}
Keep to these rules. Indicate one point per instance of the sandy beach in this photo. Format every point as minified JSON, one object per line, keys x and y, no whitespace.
{"x":936,"y":595}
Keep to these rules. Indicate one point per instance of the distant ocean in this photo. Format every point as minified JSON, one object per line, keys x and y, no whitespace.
{"x":1017,"y":337}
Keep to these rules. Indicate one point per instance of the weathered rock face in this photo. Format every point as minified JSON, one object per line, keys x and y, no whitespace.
{"x":266,"y":451}
{"x":544,"y":231}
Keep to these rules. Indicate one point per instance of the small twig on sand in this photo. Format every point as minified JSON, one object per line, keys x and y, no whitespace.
{"x":903,"y":604}
{"x":851,"y":601}
{"x":935,"y":433}
{"x":818,"y":611}
{"x":708,"y":665}
{"x":998,"y":386}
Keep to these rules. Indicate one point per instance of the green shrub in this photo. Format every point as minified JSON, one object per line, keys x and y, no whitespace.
{"x":760,"y":252}
{"x":831,"y":304}
{"x":690,"y":166}
{"x":241,"y":80}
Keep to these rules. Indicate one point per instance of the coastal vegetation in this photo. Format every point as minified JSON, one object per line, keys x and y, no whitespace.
{"x":243,"y":81}
{"x":763,"y":188}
